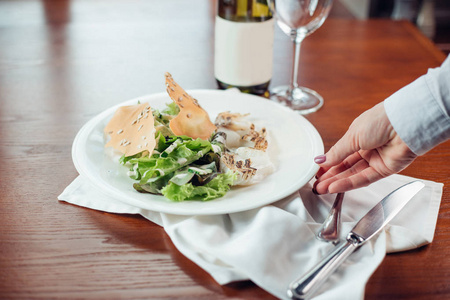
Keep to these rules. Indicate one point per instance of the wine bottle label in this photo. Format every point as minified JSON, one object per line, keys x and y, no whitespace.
{"x":243,"y":52}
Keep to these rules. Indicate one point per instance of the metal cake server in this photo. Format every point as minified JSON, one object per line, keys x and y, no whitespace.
{"x":364,"y":230}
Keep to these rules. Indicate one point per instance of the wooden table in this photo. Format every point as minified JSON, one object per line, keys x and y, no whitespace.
{"x":62,"y":62}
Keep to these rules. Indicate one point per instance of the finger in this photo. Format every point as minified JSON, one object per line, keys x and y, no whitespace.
{"x":343,"y":166}
{"x":327,"y":174}
{"x":359,"y":180}
{"x":321,"y":171}
{"x":348,"y":168}
{"x":343,"y":179}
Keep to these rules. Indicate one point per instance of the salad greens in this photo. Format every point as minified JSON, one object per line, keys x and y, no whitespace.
{"x":180,"y":168}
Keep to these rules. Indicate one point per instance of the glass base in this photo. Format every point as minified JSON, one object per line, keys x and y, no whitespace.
{"x":301,"y":99}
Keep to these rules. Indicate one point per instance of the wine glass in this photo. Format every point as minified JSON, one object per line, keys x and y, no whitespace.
{"x":298,"y":19}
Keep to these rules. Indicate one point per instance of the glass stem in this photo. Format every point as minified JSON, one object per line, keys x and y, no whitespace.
{"x":297,"y":43}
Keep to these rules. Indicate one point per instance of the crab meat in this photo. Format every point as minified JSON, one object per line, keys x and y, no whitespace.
{"x":240,"y":131}
{"x":247,"y":155}
{"x":250,"y":165}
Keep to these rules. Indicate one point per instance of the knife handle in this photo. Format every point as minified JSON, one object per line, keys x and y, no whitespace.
{"x":305,"y":286}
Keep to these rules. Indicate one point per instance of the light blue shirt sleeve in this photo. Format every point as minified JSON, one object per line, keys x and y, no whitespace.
{"x":419,"y":112}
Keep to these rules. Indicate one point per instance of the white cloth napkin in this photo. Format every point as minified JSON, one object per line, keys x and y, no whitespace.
{"x":275,"y":244}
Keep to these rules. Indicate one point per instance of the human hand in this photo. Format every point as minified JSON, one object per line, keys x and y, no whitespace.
{"x":368,"y":151}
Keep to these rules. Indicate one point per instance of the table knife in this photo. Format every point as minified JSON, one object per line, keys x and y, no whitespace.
{"x":364,"y":230}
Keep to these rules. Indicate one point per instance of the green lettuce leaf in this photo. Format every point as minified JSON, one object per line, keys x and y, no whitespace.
{"x":181,"y":152}
{"x":216,"y":188}
{"x":162,"y":118}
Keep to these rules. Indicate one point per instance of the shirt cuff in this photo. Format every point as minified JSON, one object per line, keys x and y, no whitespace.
{"x":417,"y":117}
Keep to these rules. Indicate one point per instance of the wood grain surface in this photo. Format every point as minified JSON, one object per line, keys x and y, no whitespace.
{"x":62,"y":62}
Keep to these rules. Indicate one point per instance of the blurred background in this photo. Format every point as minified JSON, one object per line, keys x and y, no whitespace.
{"x":432,"y":17}
{"x":76,"y":42}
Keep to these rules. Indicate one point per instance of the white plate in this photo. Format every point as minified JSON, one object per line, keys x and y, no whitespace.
{"x":293,"y":144}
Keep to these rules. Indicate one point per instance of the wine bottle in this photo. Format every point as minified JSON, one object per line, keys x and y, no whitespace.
{"x":244,"y":32}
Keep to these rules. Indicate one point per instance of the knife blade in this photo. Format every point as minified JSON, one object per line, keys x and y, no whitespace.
{"x":369,"y":225}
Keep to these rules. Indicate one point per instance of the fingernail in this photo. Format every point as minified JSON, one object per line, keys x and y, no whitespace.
{"x":314,"y":190}
{"x":320,"y":159}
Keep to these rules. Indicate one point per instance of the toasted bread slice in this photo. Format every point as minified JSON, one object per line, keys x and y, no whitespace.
{"x":132,"y":129}
{"x":192,"y":120}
